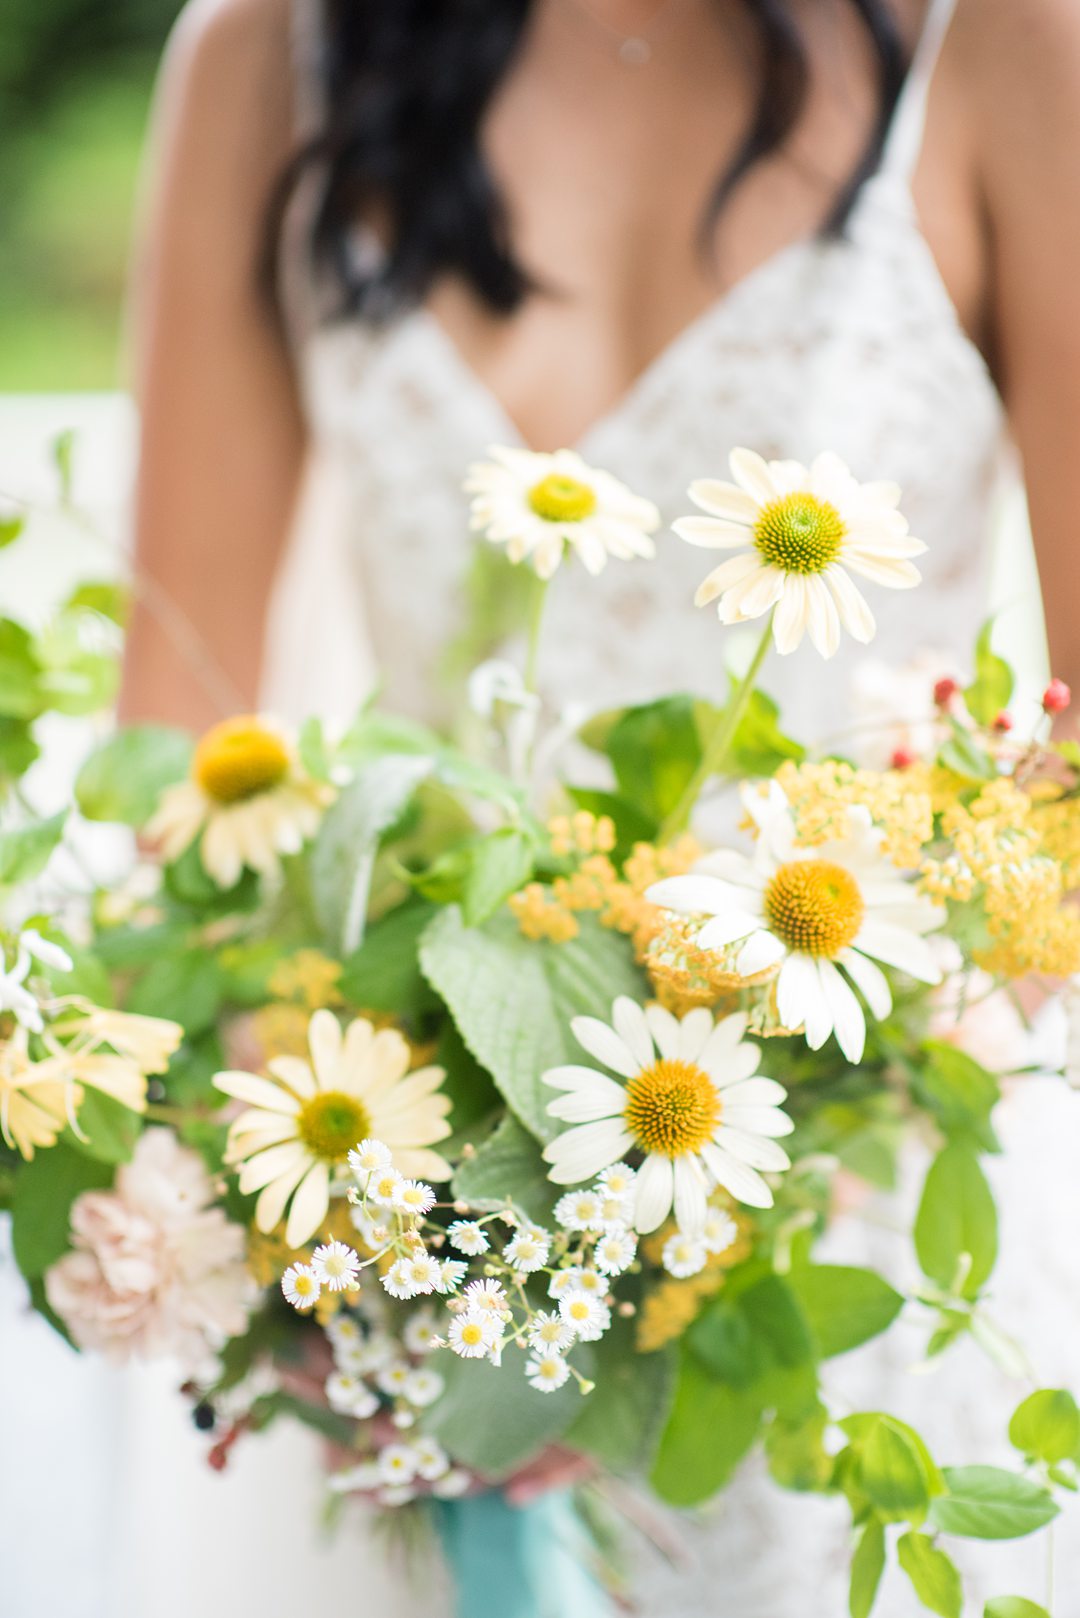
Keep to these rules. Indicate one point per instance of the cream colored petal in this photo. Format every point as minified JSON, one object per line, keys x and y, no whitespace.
{"x":654,"y":1191}
{"x":870,"y":980}
{"x":711,"y":533}
{"x":629,"y":1022}
{"x":690,"y":1195}
{"x":754,"y":597}
{"x":849,"y":1024}
{"x":823,"y":620}
{"x":271,"y":1165}
{"x":744,"y":1183}
{"x":258,"y":1092}
{"x":855,"y":615}
{"x":420,"y":1164}
{"x":792,"y":613}
{"x":602,"y":1098}
{"x":324,"y":1039}
{"x":310,"y":1205}
{"x":221,"y":857}
{"x":726,"y":500}
{"x":295,"y":1072}
{"x":894,"y":575}
{"x":752,"y":473}
{"x":724,"y":577}
{"x":604,"y":1044}
{"x":761,"y":1154}
{"x":583,"y":1151}
{"x":664,"y":1029}
{"x":271,"y":1203}
{"x":390,"y":1058}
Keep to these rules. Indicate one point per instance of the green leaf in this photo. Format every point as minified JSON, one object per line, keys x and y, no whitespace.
{"x":867,"y":1566}
{"x":963,"y":754}
{"x":933,"y":1575}
{"x":760,"y":746}
{"x":44,"y":1191}
{"x":20,"y":672}
{"x":486,"y":1421}
{"x":711,"y":1428}
{"x":384,"y":973}
{"x":513,"y":998}
{"x":631,"y":825}
{"x":795,"y":1449}
{"x":63,"y":449}
{"x":844,"y":1306}
{"x":501,"y":864}
{"x":18,"y":749}
{"x":107,"y":598}
{"x":956,"y":1225}
{"x":1014,"y":1607}
{"x":123,"y":779}
{"x":892,"y":1472}
{"x":992,"y":689}
{"x":1046,"y":1426}
{"x":188,"y":988}
{"x":654,"y":750}
{"x":25,"y":852}
{"x":507,"y":1167}
{"x":985,"y":1502}
{"x":343,"y":857}
{"x":110,"y":1129}
{"x":622,"y":1419}
{"x":10,"y":529}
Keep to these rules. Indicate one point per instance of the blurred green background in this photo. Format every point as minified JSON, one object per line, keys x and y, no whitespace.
{"x":76,"y":78}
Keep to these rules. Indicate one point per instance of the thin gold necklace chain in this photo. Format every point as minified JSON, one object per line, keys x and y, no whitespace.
{"x":634,"y":49}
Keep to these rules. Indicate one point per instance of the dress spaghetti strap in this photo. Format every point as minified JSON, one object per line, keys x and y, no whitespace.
{"x":904,"y":142}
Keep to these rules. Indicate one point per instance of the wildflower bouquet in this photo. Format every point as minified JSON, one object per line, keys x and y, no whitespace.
{"x":461,"y":1131}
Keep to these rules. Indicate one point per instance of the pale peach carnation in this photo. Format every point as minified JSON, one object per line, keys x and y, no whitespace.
{"x":154,"y":1269}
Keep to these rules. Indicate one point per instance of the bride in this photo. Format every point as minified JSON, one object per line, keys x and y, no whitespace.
{"x":388,"y":233}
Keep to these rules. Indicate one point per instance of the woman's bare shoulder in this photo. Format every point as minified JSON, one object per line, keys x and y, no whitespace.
{"x":228,"y":67}
{"x":1030,"y":49}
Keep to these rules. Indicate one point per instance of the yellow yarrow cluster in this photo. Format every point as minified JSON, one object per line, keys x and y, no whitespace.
{"x":1058,"y":819}
{"x":673,"y":1305}
{"x":583,"y":833}
{"x":309,"y":978}
{"x":900,"y":802}
{"x":999,"y":854}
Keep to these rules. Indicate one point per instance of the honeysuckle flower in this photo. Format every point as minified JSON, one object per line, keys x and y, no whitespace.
{"x":247,"y":799}
{"x":15,"y":997}
{"x":807,"y":531}
{"x":302,"y":1120}
{"x":539,"y":505}
{"x":820,"y":915}
{"x":688,"y":1100}
{"x":36,"y":1101}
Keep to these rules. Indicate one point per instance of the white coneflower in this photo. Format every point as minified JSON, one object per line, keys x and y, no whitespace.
{"x":468,"y":1237}
{"x":684,"y":1256}
{"x":301,"y":1286}
{"x":336,"y":1266}
{"x":546,"y":1372}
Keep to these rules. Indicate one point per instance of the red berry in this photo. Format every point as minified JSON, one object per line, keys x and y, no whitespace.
{"x":944,"y":691}
{"x":903,"y":758}
{"x":1004,"y":721}
{"x":218,"y":1457}
{"x":1056,"y":697}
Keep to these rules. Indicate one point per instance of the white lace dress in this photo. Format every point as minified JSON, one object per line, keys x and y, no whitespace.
{"x":853,"y":346}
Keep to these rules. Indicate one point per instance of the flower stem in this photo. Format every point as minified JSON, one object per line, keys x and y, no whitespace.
{"x":535,"y":625}
{"x":719,"y":743}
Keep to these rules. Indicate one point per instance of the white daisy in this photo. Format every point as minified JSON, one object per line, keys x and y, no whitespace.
{"x":528,"y":1251}
{"x":398,"y":1280}
{"x":617,"y":1180}
{"x":616,"y":1251}
{"x":580,"y":1210}
{"x":549,"y":1333}
{"x":373,"y":1233}
{"x":336,"y":1266}
{"x":487,"y":1297}
{"x":301,"y":1286}
{"x":474,"y":1335}
{"x":301,"y":1122}
{"x":577,"y":1279}
{"x":432,"y":1460}
{"x":396,"y":1494}
{"x":343,"y":1331}
{"x":689,"y":1102}
{"x":365,"y":1157}
{"x":587,"y":1316}
{"x":392,"y":1378}
{"x":468,"y":1237}
{"x":451,"y":1274}
{"x":683,"y":1256}
{"x":382,"y":1185}
{"x":720,"y":1231}
{"x":453,"y":1484}
{"x":807,"y":531}
{"x":413,"y":1197}
{"x":247,"y":799}
{"x":373,"y":1354}
{"x":546,"y":1372}
{"x":821,"y":915}
{"x":349,"y":1396}
{"x":423,"y":1386}
{"x":537,"y":505}
{"x":397,"y":1463}
{"x":420,"y":1332}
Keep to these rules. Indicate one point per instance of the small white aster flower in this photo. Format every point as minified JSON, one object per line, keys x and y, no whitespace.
{"x":720,"y":1231}
{"x":301,"y":1286}
{"x":579,"y":1210}
{"x":396,"y":1494}
{"x":372,"y":1232}
{"x":617,"y":1212}
{"x":425,"y":1271}
{"x":550,"y":1333}
{"x":336,"y":1266}
{"x":616,"y":1251}
{"x":374,"y":1353}
{"x":382,"y":1186}
{"x":528,"y":1251}
{"x":398,"y":1280}
{"x":488,"y":1297}
{"x":413,"y":1196}
{"x":365,"y":1158}
{"x":420,"y":1331}
{"x":806,"y":530}
{"x":349,"y":1396}
{"x":546,"y":1372}
{"x":432,"y":1460}
{"x":423,"y":1386}
{"x":588,"y":1316}
{"x":392,"y":1378}
{"x":403,"y":1417}
{"x":473,"y":1335}
{"x":617,"y":1180}
{"x":468,"y":1237}
{"x":684,"y":1256}
{"x":453,"y":1484}
{"x":537,"y":505}
{"x":397,"y":1463}
{"x":451,"y":1274}
{"x":343,"y":1331}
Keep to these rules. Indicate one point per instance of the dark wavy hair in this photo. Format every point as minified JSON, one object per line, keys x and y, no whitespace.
{"x":405,"y":85}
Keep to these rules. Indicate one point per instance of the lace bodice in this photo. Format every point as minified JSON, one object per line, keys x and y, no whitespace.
{"x":851,"y":345}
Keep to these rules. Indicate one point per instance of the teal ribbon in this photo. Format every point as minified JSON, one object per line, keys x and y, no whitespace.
{"x":527,"y":1561}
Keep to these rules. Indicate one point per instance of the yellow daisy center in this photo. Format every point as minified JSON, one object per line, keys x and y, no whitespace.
{"x":799,"y":533}
{"x":331,"y":1123}
{"x":472,"y":1333}
{"x":814,"y":907}
{"x":558,"y":498}
{"x":238,"y":759}
{"x":672,"y":1107}
{"x":303,"y":1286}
